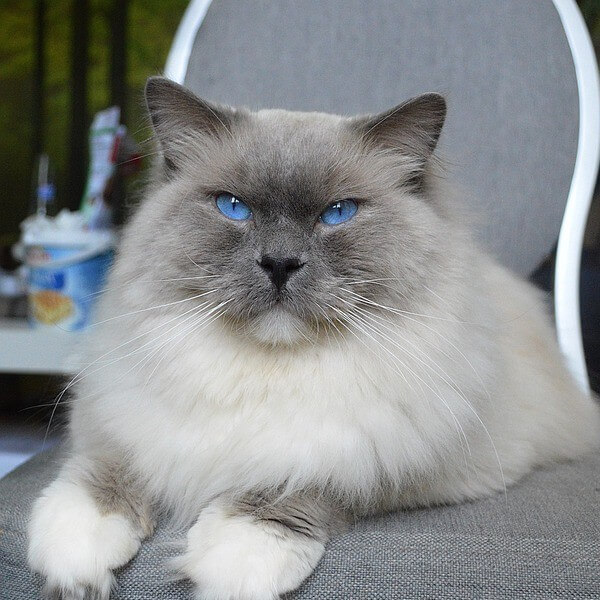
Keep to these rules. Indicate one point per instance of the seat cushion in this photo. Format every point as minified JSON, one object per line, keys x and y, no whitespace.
{"x":541,"y":540}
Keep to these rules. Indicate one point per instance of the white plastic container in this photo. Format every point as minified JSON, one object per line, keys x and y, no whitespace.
{"x":67,"y":267}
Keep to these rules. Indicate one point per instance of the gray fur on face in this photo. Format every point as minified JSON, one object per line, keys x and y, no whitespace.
{"x":289,"y":167}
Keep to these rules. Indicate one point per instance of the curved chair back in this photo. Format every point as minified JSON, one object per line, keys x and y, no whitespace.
{"x":508,"y":69}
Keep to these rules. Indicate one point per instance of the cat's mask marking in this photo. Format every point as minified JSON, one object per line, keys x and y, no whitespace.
{"x":283,"y":268}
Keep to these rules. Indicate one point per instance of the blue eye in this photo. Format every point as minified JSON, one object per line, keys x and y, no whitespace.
{"x":338,"y":212}
{"x":233,"y":207}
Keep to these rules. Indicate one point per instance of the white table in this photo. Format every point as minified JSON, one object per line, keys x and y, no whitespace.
{"x":47,"y":350}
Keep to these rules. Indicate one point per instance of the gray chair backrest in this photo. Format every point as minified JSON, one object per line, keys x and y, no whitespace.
{"x":505,"y":67}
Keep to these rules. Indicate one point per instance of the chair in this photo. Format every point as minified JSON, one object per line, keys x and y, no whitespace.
{"x":522,"y":136}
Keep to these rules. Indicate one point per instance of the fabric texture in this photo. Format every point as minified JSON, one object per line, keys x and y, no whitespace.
{"x":540,"y":540}
{"x":505,"y":67}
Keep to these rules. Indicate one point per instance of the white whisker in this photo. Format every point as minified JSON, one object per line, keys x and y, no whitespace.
{"x":205,"y":320}
{"x":83,"y":373}
{"x":141,"y":310}
{"x":129,"y":283}
{"x":395,"y":359}
{"x":446,"y":378}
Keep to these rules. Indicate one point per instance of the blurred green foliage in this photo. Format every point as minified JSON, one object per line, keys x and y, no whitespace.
{"x":16,"y":55}
{"x":150,"y":31}
{"x":591,"y":13}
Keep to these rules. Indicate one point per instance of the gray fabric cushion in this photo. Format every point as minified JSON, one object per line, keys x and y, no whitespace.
{"x":505,"y":67}
{"x":540,"y":541}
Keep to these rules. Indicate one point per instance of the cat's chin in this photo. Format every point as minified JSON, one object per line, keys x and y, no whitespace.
{"x":278,"y":327}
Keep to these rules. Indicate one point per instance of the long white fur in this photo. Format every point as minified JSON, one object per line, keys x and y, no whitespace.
{"x":230,"y":414}
{"x":227,"y":417}
{"x":384,"y":409}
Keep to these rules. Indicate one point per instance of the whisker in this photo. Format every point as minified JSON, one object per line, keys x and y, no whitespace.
{"x":141,"y":361}
{"x":399,"y":311}
{"x":141,"y":310}
{"x":205,"y":320}
{"x":411,"y":371}
{"x":190,"y":258}
{"x":84,"y":372}
{"x":446,"y":378}
{"x":118,"y":287}
{"x":410,"y":317}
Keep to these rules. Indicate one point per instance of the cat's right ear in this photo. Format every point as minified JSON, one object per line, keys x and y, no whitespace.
{"x":180,"y":119}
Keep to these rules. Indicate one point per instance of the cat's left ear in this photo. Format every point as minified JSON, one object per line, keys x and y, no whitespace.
{"x":412,"y":128}
{"x":181,"y":119}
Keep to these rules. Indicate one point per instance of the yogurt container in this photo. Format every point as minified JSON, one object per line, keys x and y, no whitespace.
{"x":67,"y":266}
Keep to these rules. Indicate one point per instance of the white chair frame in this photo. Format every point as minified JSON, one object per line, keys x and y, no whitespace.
{"x":570,"y":240}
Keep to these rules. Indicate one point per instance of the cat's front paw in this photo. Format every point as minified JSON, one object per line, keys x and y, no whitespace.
{"x":75,"y":547}
{"x":236,"y":557}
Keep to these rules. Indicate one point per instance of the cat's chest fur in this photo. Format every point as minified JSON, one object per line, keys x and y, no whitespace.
{"x":220,"y":415}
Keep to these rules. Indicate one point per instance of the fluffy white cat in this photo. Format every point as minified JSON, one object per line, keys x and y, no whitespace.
{"x":298,"y":331}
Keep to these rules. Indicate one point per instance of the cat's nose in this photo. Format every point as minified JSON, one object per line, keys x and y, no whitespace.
{"x":279,"y":269}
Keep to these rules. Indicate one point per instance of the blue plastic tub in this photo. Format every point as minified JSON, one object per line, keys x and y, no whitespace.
{"x":64,"y":280}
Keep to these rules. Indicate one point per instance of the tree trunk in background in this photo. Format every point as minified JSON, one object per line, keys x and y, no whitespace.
{"x":78,"y":143}
{"x":118,"y":89}
{"x":118,"y":55}
{"x":37,"y":118}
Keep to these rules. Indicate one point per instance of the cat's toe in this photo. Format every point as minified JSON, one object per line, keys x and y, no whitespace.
{"x":238,"y":558}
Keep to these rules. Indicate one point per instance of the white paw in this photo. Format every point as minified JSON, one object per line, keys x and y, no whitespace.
{"x":74,"y":546}
{"x":236,"y":558}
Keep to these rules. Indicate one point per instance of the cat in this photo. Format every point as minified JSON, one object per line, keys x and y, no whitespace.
{"x":298,"y":331}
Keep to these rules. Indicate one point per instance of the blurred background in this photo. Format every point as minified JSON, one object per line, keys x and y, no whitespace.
{"x":62,"y":61}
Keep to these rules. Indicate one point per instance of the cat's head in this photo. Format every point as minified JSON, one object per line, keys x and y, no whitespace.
{"x":291,"y":220}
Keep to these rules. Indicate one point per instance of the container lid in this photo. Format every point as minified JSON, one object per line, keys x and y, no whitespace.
{"x":65,"y":230}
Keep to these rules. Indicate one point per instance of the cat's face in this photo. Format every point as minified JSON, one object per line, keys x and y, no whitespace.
{"x":292,"y":219}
